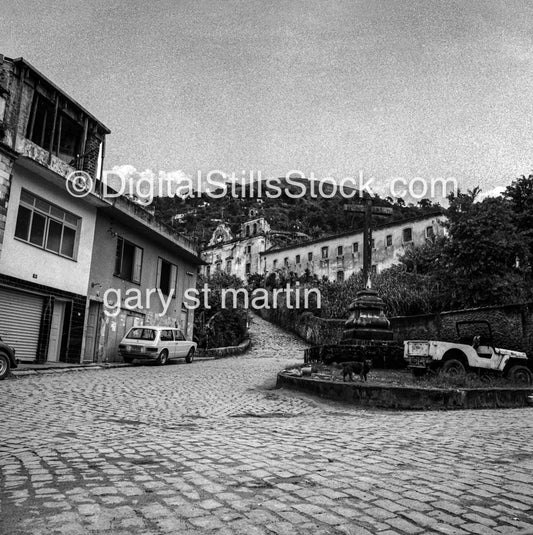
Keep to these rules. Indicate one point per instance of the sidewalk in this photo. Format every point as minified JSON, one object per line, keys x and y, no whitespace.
{"x":32,"y":368}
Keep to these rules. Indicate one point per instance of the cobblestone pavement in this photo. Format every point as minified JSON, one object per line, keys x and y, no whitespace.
{"x":211,"y":448}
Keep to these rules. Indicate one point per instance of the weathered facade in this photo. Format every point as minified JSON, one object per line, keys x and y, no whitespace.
{"x":51,"y":245}
{"x":135,"y":254}
{"x":241,"y":255}
{"x":338,"y":257}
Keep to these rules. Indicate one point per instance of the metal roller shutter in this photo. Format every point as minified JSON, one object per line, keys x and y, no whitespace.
{"x":20,"y":322}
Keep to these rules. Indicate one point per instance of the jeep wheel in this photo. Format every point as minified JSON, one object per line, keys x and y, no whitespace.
{"x":190,"y":356}
{"x":127,"y":360}
{"x":521,"y":375}
{"x":162,"y":358}
{"x":5,"y":365}
{"x":419,"y":372}
{"x":453,"y":368}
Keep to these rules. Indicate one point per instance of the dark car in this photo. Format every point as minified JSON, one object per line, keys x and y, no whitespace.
{"x":7,"y":359}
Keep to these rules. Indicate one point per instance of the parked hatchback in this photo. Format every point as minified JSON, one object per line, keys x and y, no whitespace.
{"x":158,"y":344}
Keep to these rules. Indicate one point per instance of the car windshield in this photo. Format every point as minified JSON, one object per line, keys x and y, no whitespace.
{"x":139,"y":333}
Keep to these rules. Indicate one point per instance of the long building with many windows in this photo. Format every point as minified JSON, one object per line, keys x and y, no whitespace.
{"x":335,"y":257}
{"x":339,"y":256}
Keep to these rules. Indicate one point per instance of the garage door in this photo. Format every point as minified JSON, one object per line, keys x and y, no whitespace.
{"x":20,"y":322}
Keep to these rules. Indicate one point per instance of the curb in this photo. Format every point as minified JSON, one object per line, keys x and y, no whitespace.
{"x":230,"y":351}
{"x":409,"y":398}
{"x":65,"y":369}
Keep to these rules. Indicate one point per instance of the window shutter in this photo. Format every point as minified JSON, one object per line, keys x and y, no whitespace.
{"x":118,"y":257}
{"x":158,"y":276}
{"x":173,"y":280}
{"x":137,"y":265}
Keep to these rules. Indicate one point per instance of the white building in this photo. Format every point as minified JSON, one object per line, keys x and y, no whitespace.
{"x":339,"y":256}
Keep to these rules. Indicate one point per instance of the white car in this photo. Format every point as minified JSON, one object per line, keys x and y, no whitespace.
{"x":160,"y":344}
{"x":475,"y":353}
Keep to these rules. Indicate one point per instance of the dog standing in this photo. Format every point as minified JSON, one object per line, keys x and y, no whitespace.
{"x":361,"y":368}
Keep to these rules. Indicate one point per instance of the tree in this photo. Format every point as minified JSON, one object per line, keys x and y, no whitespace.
{"x":520,"y":196}
{"x":484,"y":257}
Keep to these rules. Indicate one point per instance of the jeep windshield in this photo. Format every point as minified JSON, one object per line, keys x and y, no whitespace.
{"x":138,"y":333}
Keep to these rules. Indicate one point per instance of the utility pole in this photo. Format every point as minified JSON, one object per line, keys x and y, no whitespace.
{"x":366,"y":207}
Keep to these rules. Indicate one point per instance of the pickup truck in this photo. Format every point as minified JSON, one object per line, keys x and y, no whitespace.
{"x":474,"y":353}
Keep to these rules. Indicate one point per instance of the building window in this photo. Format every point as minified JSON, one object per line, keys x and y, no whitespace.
{"x":310,"y":257}
{"x":274,"y":264}
{"x":389,"y":240}
{"x":128,"y":261}
{"x":286,"y":261}
{"x":373,"y":243}
{"x":340,"y":276}
{"x":340,"y":250}
{"x":167,"y":277}
{"x":355,"y":247}
{"x":325,"y":252}
{"x":255,"y":229}
{"x":407,"y":234}
{"x":248,"y":249}
{"x":374,"y":269}
{"x":430,"y":232}
{"x":297,"y":258}
{"x":47,"y":226}
{"x":228,"y":267}
{"x":248,"y":268}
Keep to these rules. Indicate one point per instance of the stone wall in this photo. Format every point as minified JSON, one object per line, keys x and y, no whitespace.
{"x":512,"y":325}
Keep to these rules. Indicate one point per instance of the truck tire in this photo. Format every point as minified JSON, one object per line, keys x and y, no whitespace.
{"x":520,"y":374}
{"x":453,"y":368}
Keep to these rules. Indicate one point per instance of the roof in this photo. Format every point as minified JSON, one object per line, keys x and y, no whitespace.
{"x":396,"y":223}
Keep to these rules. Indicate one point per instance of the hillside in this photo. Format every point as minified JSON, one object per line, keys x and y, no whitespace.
{"x":198,"y":216}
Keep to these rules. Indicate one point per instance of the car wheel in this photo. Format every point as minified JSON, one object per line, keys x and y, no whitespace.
{"x":419,"y":372}
{"x":190,"y":356}
{"x":454,"y":368}
{"x":521,"y":375}
{"x":128,"y":360}
{"x":5,"y":365}
{"x":162,"y":358}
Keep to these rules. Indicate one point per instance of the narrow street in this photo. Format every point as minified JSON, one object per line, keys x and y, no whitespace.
{"x":212,"y":447}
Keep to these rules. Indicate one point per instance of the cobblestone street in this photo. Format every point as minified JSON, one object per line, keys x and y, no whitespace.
{"x":212,"y":447}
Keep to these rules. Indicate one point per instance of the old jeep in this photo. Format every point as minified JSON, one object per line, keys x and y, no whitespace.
{"x":475,"y":353}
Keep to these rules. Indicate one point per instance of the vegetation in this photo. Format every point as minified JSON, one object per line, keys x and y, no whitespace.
{"x":216,"y":325}
{"x":484,"y":259}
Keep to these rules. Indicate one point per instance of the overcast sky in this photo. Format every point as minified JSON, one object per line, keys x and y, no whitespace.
{"x":393,"y":88}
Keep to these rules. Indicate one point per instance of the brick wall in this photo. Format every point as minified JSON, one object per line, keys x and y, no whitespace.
{"x":512,"y":325}
{"x":90,"y":161}
{"x":6,"y":166}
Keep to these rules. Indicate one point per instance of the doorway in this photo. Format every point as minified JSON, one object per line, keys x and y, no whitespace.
{"x":56,"y":331}
{"x":92,"y":335}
